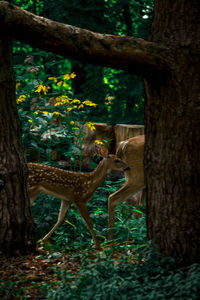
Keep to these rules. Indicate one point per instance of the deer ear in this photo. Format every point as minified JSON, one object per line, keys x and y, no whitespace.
{"x":101,"y":151}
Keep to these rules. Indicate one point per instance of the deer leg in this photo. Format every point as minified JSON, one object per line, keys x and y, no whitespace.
{"x":113,"y":200}
{"x":61,"y":217}
{"x":84,"y":213}
{"x":33,"y":193}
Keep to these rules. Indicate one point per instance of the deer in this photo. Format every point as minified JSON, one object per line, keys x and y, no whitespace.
{"x":71,"y":187}
{"x":130,"y":151}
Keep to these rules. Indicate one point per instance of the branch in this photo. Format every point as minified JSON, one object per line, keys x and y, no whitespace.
{"x":127,"y":53}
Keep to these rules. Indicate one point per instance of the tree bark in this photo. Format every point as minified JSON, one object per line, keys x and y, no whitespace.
{"x":172,"y":114}
{"x":170,"y":63}
{"x":126,"y":53}
{"x":16,"y":223}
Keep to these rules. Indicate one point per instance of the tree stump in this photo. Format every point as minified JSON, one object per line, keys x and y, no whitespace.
{"x":126,"y":131}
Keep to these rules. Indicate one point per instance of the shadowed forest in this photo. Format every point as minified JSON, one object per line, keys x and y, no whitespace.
{"x":55,"y":98}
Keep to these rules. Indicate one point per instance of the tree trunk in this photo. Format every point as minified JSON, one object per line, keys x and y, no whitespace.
{"x":172,"y":114}
{"x":128,"y":19}
{"x":16,"y":223}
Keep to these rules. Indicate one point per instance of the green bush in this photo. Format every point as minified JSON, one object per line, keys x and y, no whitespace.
{"x":51,"y":116}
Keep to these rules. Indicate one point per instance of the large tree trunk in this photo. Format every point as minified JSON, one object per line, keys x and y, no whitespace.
{"x":16,"y":223}
{"x":172,"y":114}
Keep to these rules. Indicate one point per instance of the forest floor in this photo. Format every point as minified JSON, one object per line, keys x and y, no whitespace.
{"x":27,"y":275}
{"x":30,"y":277}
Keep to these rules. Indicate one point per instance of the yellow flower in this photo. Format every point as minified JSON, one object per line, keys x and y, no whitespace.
{"x":41,"y":88}
{"x":76,"y":101}
{"x":89,"y":103}
{"x":98,"y":142}
{"x":80,"y":106}
{"x":91,"y":126}
{"x":36,"y":112}
{"x":67,"y":77}
{"x":61,"y":101}
{"x":72,"y":122}
{"x":72,"y":75}
{"x":45,"y":89}
{"x":21,"y":99}
{"x":66,"y":98}
{"x":69,"y":108}
{"x":30,"y":121}
{"x":57,"y":113}
{"x":53,"y":78}
{"x":58,"y":103}
{"x":59,"y":83}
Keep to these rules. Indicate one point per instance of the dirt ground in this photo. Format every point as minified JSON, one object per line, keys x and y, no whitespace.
{"x":26,"y":275}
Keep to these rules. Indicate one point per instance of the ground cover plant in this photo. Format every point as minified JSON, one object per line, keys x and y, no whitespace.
{"x":115,"y":273}
{"x":154,"y":278}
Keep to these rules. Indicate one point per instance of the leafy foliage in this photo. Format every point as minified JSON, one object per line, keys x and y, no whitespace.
{"x":13,"y":289}
{"x":152,"y":277}
{"x":138,"y":274}
{"x":119,"y":95}
{"x":49,"y":113}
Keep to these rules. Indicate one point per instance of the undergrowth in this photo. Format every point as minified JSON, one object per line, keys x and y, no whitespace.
{"x":127,"y":268}
{"x":149,"y":277}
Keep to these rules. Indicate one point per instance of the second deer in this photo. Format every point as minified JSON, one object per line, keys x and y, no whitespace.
{"x":130,"y":151}
{"x":71,"y":187}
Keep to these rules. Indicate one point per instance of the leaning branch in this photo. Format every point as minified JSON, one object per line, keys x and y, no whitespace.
{"x":127,"y":53}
